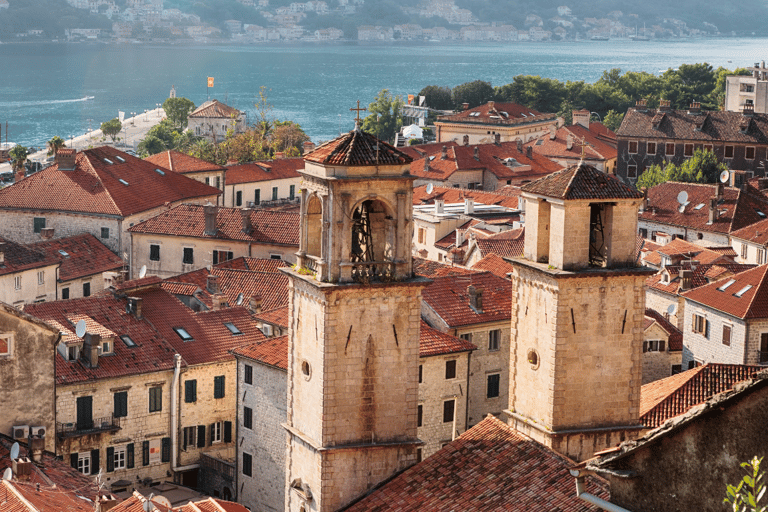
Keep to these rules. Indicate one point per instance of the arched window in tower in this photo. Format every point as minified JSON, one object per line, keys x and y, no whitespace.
{"x":597,"y":238}
{"x":372,"y":239}
{"x":314,"y":226}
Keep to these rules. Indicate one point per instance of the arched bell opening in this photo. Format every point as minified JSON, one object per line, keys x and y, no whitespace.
{"x":373,"y":239}
{"x":314,"y":226}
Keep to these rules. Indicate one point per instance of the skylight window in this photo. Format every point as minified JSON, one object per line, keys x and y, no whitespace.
{"x":531,"y":114}
{"x":128,"y":341}
{"x":240,"y":298}
{"x":761,"y":214}
{"x":726,"y":285}
{"x":232,"y":328}
{"x":64,"y":253}
{"x":183,"y":334}
{"x":161,"y":173}
{"x":742,"y":291}
{"x":110,"y":162}
{"x":522,"y":114}
{"x":699,"y":206}
{"x":120,"y":159}
{"x":121,"y":180}
{"x":474,"y":114}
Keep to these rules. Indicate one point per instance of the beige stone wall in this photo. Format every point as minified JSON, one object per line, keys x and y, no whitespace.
{"x":265,"y":187}
{"x":660,"y":301}
{"x":485,"y":134}
{"x":754,"y":331}
{"x":434,"y":229}
{"x":76,"y":286}
{"x":538,"y":214}
{"x":18,"y":225}
{"x":658,"y":364}
{"x":31,"y":290}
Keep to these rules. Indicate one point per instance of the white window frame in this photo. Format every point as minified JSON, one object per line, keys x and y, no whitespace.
{"x":119,"y":458}
{"x":17,"y":282}
{"x":8,"y":336}
{"x":41,"y":277}
{"x":84,"y":462}
{"x":699,"y":324}
{"x":73,"y":352}
{"x":106,"y":347}
{"x":216,"y":432}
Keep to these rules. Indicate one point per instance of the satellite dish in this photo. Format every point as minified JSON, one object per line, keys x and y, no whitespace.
{"x":724,"y":176}
{"x":162,"y":500}
{"x":672,"y":309}
{"x":682,"y":197}
{"x":15,"y":451}
{"x":430,"y":188}
{"x":148,"y":506}
{"x":143,"y":272}
{"x":8,"y":474}
{"x":80,"y":329}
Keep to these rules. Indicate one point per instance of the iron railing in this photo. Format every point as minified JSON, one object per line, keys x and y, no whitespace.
{"x":367,"y":272}
{"x":93,"y":426}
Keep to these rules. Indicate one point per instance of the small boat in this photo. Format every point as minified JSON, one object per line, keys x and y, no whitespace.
{"x":600,"y":38}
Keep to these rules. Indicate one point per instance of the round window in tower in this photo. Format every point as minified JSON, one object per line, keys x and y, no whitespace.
{"x":306,"y":370}
{"x":533,"y":359}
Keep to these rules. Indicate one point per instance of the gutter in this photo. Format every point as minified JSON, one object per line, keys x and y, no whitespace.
{"x":175,"y":412}
{"x":591,"y":498}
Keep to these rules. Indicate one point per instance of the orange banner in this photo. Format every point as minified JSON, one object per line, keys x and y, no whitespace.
{"x":210,"y":81}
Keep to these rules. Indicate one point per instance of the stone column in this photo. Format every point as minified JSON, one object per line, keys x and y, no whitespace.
{"x":301,"y":254}
{"x":403,"y":237}
{"x":345,"y":239}
{"x":325,"y":242}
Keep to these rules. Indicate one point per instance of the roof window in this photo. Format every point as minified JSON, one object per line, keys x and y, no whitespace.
{"x":64,"y":253}
{"x":474,"y":114}
{"x":161,"y":173}
{"x":726,"y":285}
{"x":522,"y":114}
{"x":699,"y":206}
{"x":120,"y":159}
{"x":232,"y":328}
{"x":240,"y":298}
{"x":128,"y":341}
{"x":183,"y":334}
{"x":761,"y":214}
{"x":742,"y":291}
{"x":121,"y":180}
{"x":110,"y":162}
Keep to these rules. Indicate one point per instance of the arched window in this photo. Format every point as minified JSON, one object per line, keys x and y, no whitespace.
{"x":373,"y":232}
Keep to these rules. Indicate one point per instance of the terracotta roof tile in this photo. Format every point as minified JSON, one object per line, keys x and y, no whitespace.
{"x":666,"y":398}
{"x":493,"y":113}
{"x":357,"y":148}
{"x":745,"y":298}
{"x":675,"y":335}
{"x":272,"y":352}
{"x":489,"y":467}
{"x":702,"y":275}
{"x":127,"y":186}
{"x":756,"y":233}
{"x":18,"y":257}
{"x":507,"y":197}
{"x":269,"y":227}
{"x":720,"y":126}
{"x":85,"y":256}
{"x":214,"y":108}
{"x":601,"y":143}
{"x":183,"y":164}
{"x":508,"y":244}
{"x":449,"y":299}
{"x":278,"y":316}
{"x":136,"y":504}
{"x":434,"y":343}
{"x":495,"y":264}
{"x":279,"y":169}
{"x":430,"y":269}
{"x":581,"y":182}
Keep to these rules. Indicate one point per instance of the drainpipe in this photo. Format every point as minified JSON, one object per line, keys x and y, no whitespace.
{"x":591,"y":498}
{"x":175,"y":411}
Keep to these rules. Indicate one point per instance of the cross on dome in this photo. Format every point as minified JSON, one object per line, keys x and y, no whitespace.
{"x":358,"y":110}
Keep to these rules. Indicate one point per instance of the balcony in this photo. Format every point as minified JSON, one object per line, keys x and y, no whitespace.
{"x":95,"y":426}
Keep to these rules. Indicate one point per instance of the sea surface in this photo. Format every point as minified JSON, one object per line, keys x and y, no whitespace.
{"x":62,"y":89}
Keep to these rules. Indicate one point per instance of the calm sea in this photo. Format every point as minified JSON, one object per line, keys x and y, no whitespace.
{"x":46,"y":89}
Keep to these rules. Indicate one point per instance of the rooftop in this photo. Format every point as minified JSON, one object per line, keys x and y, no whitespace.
{"x":214,"y":109}
{"x":495,"y":264}
{"x":357,"y":148}
{"x":497,"y":113}
{"x":449,"y":298}
{"x":183,"y":164}
{"x":743,"y":295}
{"x":18,"y":257}
{"x":435,"y":343}
{"x":598,"y":143}
{"x":80,"y":256}
{"x":278,"y":169}
{"x":675,"y":335}
{"x":508,"y":198}
{"x":581,"y":182}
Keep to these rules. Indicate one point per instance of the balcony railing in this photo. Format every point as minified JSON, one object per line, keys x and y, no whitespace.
{"x":372,"y":271}
{"x":221,"y":467}
{"x":94,"y":426}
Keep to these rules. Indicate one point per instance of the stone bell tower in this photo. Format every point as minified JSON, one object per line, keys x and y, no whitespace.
{"x":577,"y":314}
{"x":354,"y":325}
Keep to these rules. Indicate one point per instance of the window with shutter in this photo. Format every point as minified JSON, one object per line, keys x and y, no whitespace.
{"x":94,"y":462}
{"x":201,"y":436}
{"x":227,"y":431}
{"x":110,"y":459}
{"x":248,"y":417}
{"x":121,"y":404}
{"x":129,"y":462}
{"x":190,"y":391}
{"x":248,"y":374}
{"x":218,"y":386}
{"x":84,"y":412}
{"x":166,"y":453}
{"x":145,"y":453}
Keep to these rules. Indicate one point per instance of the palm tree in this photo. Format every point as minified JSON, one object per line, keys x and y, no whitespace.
{"x":55,"y":144}
{"x":19,"y":155}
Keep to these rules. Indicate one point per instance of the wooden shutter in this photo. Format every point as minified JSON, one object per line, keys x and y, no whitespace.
{"x":84,"y":412}
{"x":94,"y":462}
{"x":166,"y":453}
{"x":73,"y":458}
{"x":661,"y":346}
{"x":110,"y":459}
{"x":129,"y":456}
{"x":145,"y":453}
{"x":201,"y":436}
{"x":212,"y":430}
{"x":227,"y":431}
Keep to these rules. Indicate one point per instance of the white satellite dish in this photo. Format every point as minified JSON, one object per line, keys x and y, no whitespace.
{"x":162,"y":500}
{"x":682,"y":197}
{"x":430,"y":188}
{"x":672,"y":309}
{"x":143,"y":272}
{"x":8,"y":474}
{"x":80,"y":329}
{"x":148,"y":506}
{"x":15,"y":451}
{"x":724,"y":176}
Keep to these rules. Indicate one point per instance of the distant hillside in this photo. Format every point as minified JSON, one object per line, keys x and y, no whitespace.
{"x":51,"y":16}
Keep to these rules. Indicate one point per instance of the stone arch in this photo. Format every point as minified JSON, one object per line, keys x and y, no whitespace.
{"x":373,"y":230}
{"x":314,"y":214}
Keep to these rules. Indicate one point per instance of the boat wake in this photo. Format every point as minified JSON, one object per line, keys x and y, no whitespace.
{"x":11,"y":104}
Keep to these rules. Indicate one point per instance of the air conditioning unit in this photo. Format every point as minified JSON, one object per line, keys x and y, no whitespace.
{"x":266,"y":329}
{"x":20,"y":431}
{"x":38,"y":431}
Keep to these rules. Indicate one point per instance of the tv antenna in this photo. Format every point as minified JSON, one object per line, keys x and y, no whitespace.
{"x":80,"y":328}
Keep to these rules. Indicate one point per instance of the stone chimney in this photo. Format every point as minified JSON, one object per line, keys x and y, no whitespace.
{"x":36,"y":446}
{"x":65,"y":158}
{"x":664,"y":106}
{"x":685,"y":279}
{"x":254,"y":304}
{"x":475,"y":298}
{"x":279,"y":155}
{"x":720,"y":189}
{"x":466,"y":140}
{"x":444,"y":153}
{"x":491,"y":105}
{"x":581,"y":118}
{"x":426,"y":163}
{"x":552,"y":133}
{"x":476,"y":154}
{"x":465,"y":106}
{"x":641,"y":105}
{"x":107,"y":502}
{"x":497,"y":139}
{"x":459,"y":238}
{"x":91,"y":345}
{"x":212,"y":284}
{"x":695,"y":107}
{"x":308,"y":147}
{"x":219,"y":301}
{"x":134,"y":306}
{"x":211,"y":211}
{"x":712,"y":210}
{"x":22,"y":468}
{"x":519,"y":146}
{"x":528,"y":152}
{"x":46,"y":233}
{"x":245,"y":216}
{"x":20,"y":174}
{"x":439,"y":206}
{"x":748,"y":110}
{"x":569,"y":142}
{"x":469,"y":205}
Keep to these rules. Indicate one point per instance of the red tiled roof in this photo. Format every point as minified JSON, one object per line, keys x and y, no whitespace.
{"x":279,"y":169}
{"x":601,"y":143}
{"x":449,"y":299}
{"x":272,"y":352}
{"x":278,"y":316}
{"x":702,"y":275}
{"x":493,"y":113}
{"x":214,"y":108}
{"x":434,"y":343}
{"x":675,"y":339}
{"x":507,"y":197}
{"x":680,"y":248}
{"x":751,"y":284}
{"x":489,"y":467}
{"x":86,"y":256}
{"x":95,"y":186}
{"x":136,"y":504}
{"x":260,"y":264}
{"x":715,"y":126}
{"x":495,"y":264}
{"x":582,"y":182}
{"x":268,"y":227}
{"x":357,"y":148}
{"x":737,"y":209}
{"x":449,"y":240}
{"x":20,"y":257}
{"x":46,"y":498}
{"x":509,"y":244}
{"x":756,"y":233}
{"x":418,"y":151}
{"x":183,"y":164}
{"x":666,"y":398}
{"x":430,"y":269}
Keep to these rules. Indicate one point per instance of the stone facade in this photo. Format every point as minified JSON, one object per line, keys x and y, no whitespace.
{"x":28,"y":286}
{"x":659,"y":363}
{"x":27,"y":352}
{"x":648,"y":229}
{"x":287,"y":190}
{"x":660,"y":301}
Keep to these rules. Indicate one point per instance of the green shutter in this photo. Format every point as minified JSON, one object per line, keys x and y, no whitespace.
{"x":166,"y":449}
{"x":95,"y":462}
{"x":201,"y":436}
{"x":129,"y":456}
{"x":110,"y":459}
{"x":227,"y":431}
{"x":145,"y":453}
{"x":73,"y":458}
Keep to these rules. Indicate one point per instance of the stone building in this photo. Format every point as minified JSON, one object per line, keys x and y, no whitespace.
{"x":741,"y":90}
{"x":577,"y":314}
{"x":212,"y":120}
{"x":26,"y":275}
{"x":751,"y":242}
{"x":259,"y":183}
{"x":191,"y":167}
{"x":662,"y":347}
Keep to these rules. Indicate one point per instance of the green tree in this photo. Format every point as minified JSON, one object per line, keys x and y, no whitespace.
{"x":288,"y":137}
{"x":111,"y":128}
{"x":702,"y":167}
{"x":178,"y":110}
{"x":437,"y":97}
{"x":164,"y":131}
{"x":542,"y":94}
{"x":747,"y":495}
{"x":475,"y":93}
{"x":54,"y":145}
{"x":263,"y":109}
{"x":612,"y":120}
{"x":150,"y":145}
{"x":19,"y":155}
{"x":384,"y":119}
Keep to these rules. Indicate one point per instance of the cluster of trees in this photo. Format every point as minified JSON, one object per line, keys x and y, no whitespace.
{"x":51,"y":16}
{"x":702,"y":167}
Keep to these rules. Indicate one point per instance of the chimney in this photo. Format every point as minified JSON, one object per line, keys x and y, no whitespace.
{"x":569,"y":142}
{"x":219,"y":301}
{"x":497,"y":139}
{"x":212,"y":284}
{"x":439,"y":206}
{"x":22,"y":468}
{"x":552,"y":133}
{"x":685,"y":279}
{"x":469,"y":205}
{"x":748,"y":110}
{"x":426,"y":163}
{"x":134,"y":306}
{"x":528,"y":152}
{"x":720,"y":188}
{"x":519,"y":146}
{"x":664,"y":106}
{"x":254,"y":304}
{"x":695,"y":107}
{"x":20,"y":173}
{"x":491,"y":105}
{"x":123,"y":277}
{"x":65,"y":157}
{"x":279,"y":155}
{"x":210,"y":211}
{"x":308,"y":147}
{"x":581,"y":118}
{"x":245,"y":216}
{"x":641,"y":105}
{"x":107,"y":502}
{"x":466,"y":140}
{"x":476,"y":155}
{"x":465,"y":106}
{"x":475,"y":298}
{"x":712,"y":210}
{"x":459,"y":238}
{"x":91,"y":345}
{"x":46,"y":233}
{"x":36,"y":446}
{"x":762,"y":183}
{"x":444,"y":153}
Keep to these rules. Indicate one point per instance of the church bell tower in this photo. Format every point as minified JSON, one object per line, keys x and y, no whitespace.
{"x":578,"y":303}
{"x":354,"y":325}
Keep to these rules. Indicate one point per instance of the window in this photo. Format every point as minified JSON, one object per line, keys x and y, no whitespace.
{"x":104,"y":232}
{"x":218,"y":181}
{"x":677,"y":368}
{"x":188,"y":257}
{"x":73,"y":353}
{"x":106,"y":348}
{"x":763,"y":355}
{"x":420,"y":416}
{"x":121,"y":404}
{"x":631,"y":171}
{"x":84,"y":462}
{"x":492,"y":388}
{"x":154,"y":252}
{"x":760,"y":256}
{"x":216,"y":432}
{"x":466,"y":336}
{"x":651,"y":148}
{"x":728,"y":152}
{"x":222,"y":256}
{"x":494,"y":338}
{"x":39,"y":224}
{"x":708,"y":147}
{"x":292,"y":191}
{"x":239,"y":198}
{"x":726,"y":285}
{"x":190,"y":437}
{"x":248,"y":417}
{"x":218,"y":386}
{"x":248,"y":374}
{"x":450,"y":369}
{"x":5,"y":344}
{"x":749,"y":153}
{"x":65,"y":293}
{"x":274,"y":193}
{"x":84,"y":412}
{"x":247,"y":463}
{"x":207,"y":178}
{"x":86,"y":289}
{"x":17,"y":282}
{"x":275,"y":257}
{"x":128,"y":341}
{"x":183,"y":334}
{"x":41,"y":277}
{"x":422,"y":235}
{"x":232,"y":328}
{"x":744,"y":251}
{"x":257,"y":196}
{"x":421,"y":374}
{"x":653,"y":346}
{"x":155,"y":399}
{"x":119,"y":458}
{"x":688,"y":150}
{"x":727,"y":335}
{"x":190,"y":391}
{"x":633,"y":146}
{"x":448,"y":409}
{"x":743,"y":291}
{"x":699,"y":324}
{"x":670,"y":149}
